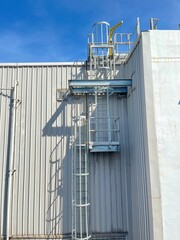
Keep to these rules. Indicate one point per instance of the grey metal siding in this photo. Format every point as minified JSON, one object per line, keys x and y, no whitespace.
{"x":41,"y":201}
{"x":41,"y":183}
{"x":108,"y":181}
{"x":139,"y":191}
{"x":124,"y":187}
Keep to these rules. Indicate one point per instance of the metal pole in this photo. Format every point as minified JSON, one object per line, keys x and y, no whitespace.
{"x":86,"y":167}
{"x":74,"y":172}
{"x":90,"y":50}
{"x":108,"y":118}
{"x":86,"y":190}
{"x":10,"y":170}
{"x":80,"y":181}
{"x":151,"y":24}
{"x":96,"y":118}
{"x":138,"y":27}
{"x":113,"y":64}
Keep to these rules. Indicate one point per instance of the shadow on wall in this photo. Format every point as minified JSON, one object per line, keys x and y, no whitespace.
{"x":58,"y":193}
{"x":82,"y":71}
{"x":50,"y":129}
{"x":58,"y":214}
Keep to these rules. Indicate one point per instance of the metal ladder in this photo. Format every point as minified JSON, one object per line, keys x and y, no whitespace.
{"x":96,"y":132}
{"x":80,"y":175}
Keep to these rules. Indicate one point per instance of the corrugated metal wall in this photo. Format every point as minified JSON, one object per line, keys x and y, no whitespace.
{"x":125,"y":189}
{"x":41,"y":183}
{"x":108,"y":180}
{"x":138,"y":188}
{"x":41,"y":192}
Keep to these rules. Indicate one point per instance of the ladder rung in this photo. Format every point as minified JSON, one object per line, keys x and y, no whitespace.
{"x":81,"y":174}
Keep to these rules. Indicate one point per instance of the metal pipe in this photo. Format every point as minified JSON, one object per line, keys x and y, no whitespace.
{"x":10,"y":170}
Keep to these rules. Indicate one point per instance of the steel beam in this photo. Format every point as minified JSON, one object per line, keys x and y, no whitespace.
{"x":92,"y":86}
{"x":93,"y":90}
{"x":102,"y":83}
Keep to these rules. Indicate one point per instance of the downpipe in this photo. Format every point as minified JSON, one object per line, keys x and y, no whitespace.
{"x":11,"y":161}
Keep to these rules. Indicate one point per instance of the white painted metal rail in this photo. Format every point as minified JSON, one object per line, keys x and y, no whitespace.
{"x":80,"y":175}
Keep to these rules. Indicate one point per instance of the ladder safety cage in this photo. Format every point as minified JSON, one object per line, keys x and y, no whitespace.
{"x":80,"y":181}
{"x":103,"y":127}
{"x":101,"y":65}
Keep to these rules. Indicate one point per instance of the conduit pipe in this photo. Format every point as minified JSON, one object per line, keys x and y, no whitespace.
{"x":11,"y":161}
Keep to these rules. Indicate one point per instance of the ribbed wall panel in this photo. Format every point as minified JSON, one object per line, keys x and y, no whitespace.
{"x":124,"y":194}
{"x":40,"y":203}
{"x":108,"y":180}
{"x":138,"y":149}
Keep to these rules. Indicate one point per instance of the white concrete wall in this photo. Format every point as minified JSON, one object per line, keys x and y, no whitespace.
{"x":165,"y":55}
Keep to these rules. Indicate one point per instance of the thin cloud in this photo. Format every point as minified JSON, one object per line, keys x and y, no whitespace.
{"x":34,"y":46}
{"x":56,"y":30}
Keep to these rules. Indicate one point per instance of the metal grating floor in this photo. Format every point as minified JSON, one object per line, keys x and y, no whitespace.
{"x":109,"y":236}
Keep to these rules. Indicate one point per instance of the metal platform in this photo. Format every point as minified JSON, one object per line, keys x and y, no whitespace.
{"x":92,"y":86}
{"x":104,"y":147}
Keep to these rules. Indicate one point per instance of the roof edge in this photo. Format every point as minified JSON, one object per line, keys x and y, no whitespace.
{"x":41,"y":64}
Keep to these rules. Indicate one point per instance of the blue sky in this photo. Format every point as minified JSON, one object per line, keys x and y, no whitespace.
{"x":56,"y":30}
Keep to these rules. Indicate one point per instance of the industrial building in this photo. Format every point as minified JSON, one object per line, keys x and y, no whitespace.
{"x":91,"y":149}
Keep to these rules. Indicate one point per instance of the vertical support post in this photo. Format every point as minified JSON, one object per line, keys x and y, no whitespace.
{"x":114,"y":69}
{"x":95,"y":67}
{"x":11,"y":162}
{"x":96,"y":118}
{"x":74,"y":200}
{"x":129,"y":41}
{"x":151,"y":24}
{"x":90,"y":50}
{"x":108,"y":118}
{"x":80,"y":179}
{"x":86,"y":191}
